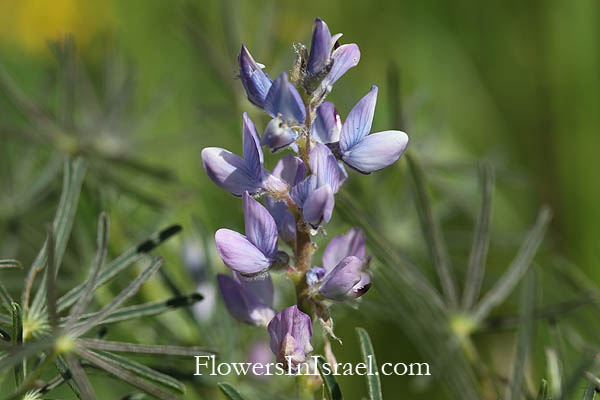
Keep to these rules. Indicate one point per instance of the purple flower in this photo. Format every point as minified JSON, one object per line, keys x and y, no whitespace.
{"x":278,"y":135}
{"x":363,"y":152}
{"x":255,"y":81}
{"x":284,"y":100}
{"x":238,"y":175}
{"x":248,"y":300}
{"x":344,"y":273}
{"x":285,"y":169}
{"x":315,"y":194}
{"x":290,"y":331}
{"x":327,"y":124}
{"x":328,"y":61}
{"x":255,"y":252}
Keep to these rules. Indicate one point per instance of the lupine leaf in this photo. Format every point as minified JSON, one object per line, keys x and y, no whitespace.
{"x":481,"y":240}
{"x":63,"y":223}
{"x":368,"y":355}
{"x":122,"y":347}
{"x":118,"y":371}
{"x":101,"y":250}
{"x":332,"y":389}
{"x":146,"y":309}
{"x":66,"y":374}
{"x":432,"y":232}
{"x":80,"y":378}
{"x":17,"y":335}
{"x":122,"y":297}
{"x":504,"y":286}
{"x":51,"y":280}
{"x":120,"y":263}
{"x":528,"y":300}
{"x":229,"y":391}
{"x":6,"y":264}
{"x":5,"y":299}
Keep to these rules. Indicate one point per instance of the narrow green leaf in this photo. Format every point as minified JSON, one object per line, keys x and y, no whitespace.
{"x":554,"y":370}
{"x":122,"y":347}
{"x":528,"y":300}
{"x":229,"y":391}
{"x":432,"y":232}
{"x":17,"y":354}
{"x":368,"y":355}
{"x":120,"y":263}
{"x":504,"y":286}
{"x":101,"y":250}
{"x":125,"y":294}
{"x":590,"y":392}
{"x":65,"y":373}
{"x":63,"y":223}
{"x":126,"y":375}
{"x":5,"y":320}
{"x":146,"y":309}
{"x":543,"y":392}
{"x":17,"y":335}
{"x":481,"y":240}
{"x":80,"y":378}
{"x":332,"y":389}
{"x":5,"y":299}
{"x":6,"y":264}
{"x":51,"y":281}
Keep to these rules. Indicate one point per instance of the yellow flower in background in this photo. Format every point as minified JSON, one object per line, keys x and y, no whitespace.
{"x":31,"y":23}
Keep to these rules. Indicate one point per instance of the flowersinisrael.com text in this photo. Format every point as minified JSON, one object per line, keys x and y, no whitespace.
{"x":207,"y":365}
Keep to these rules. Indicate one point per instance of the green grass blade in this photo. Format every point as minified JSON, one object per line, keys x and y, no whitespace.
{"x":9,"y":263}
{"x":528,"y":300}
{"x":590,"y":392}
{"x":101,"y":250}
{"x":122,"y":347}
{"x":120,"y":263}
{"x":481,"y":240}
{"x":125,"y":294}
{"x":146,"y":309}
{"x":543,"y":392}
{"x":432,"y":233}
{"x":332,"y":389}
{"x":504,"y":286}
{"x":368,"y":355}
{"x":229,"y":391}
{"x":125,"y":373}
{"x":17,"y":335}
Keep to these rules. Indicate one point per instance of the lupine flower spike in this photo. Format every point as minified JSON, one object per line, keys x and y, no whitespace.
{"x":290,"y":331}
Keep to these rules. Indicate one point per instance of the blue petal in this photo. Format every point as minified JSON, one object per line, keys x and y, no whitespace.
{"x":261,"y":229}
{"x":376,"y":151}
{"x":253,"y":153}
{"x":255,"y":81}
{"x":318,"y":206}
{"x":277,"y":135}
{"x":229,"y":171}
{"x":283,"y":99}
{"x":287,"y":167}
{"x":327,"y":124}
{"x":344,"y":58}
{"x":339,"y":282}
{"x":352,"y":243}
{"x":320,"y":47}
{"x":286,"y":226}
{"x":324,"y":167}
{"x":358,"y":123}
{"x":239,"y":254}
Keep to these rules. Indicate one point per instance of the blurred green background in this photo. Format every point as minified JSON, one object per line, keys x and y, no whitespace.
{"x":511,"y":82}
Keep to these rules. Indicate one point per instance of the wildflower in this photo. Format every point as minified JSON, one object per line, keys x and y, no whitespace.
{"x":328,"y":61}
{"x":278,"y":135}
{"x":238,"y":175}
{"x":286,"y":170}
{"x":290,"y":331}
{"x":255,"y":81}
{"x":327,"y":124}
{"x":361,"y":151}
{"x":248,"y":300}
{"x":256,"y":252}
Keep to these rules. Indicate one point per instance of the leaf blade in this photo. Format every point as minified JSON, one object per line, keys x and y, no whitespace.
{"x":368,"y":355}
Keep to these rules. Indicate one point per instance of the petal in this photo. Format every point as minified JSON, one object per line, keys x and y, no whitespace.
{"x":342,"y":279}
{"x":284,"y":219}
{"x":376,"y":151}
{"x":284,"y":99}
{"x":318,"y":206}
{"x":277,"y":135}
{"x":352,"y":243}
{"x":255,"y":81}
{"x":287,"y":167}
{"x":261,"y":229}
{"x":361,"y":287}
{"x":239,"y":254}
{"x":261,"y":287}
{"x":229,"y":171}
{"x":231,"y":291}
{"x":320,"y":47}
{"x":290,"y":332}
{"x":324,"y":166}
{"x":344,"y":57}
{"x":327,"y":124}
{"x":358,"y":123}
{"x":253,"y":154}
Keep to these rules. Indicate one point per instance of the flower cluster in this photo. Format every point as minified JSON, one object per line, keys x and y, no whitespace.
{"x":298,"y":194}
